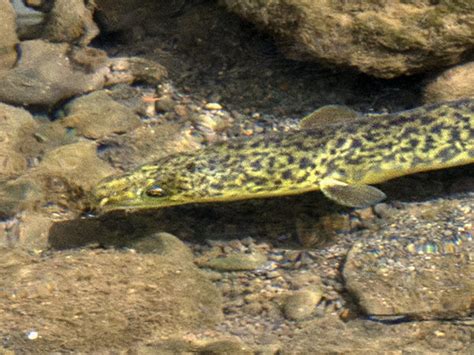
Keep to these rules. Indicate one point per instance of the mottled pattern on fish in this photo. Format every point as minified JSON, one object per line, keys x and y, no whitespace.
{"x":368,"y":150}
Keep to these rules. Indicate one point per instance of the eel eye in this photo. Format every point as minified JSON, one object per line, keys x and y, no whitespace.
{"x":155,"y":191}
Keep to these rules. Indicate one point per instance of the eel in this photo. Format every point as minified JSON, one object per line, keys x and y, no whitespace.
{"x":342,"y":160}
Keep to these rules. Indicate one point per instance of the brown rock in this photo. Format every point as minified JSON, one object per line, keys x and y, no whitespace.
{"x":381,"y":38}
{"x":15,"y":125}
{"x":77,"y":163}
{"x":70,"y":21}
{"x":8,"y":38}
{"x":93,"y":301}
{"x":97,"y":115}
{"x":453,"y":84}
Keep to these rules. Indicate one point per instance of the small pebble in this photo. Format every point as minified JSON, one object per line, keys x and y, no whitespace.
{"x":214,"y":106}
{"x":165,"y":104}
{"x":32,"y":335}
{"x":301,"y":304}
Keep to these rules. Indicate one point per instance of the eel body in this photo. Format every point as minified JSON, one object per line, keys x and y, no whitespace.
{"x":341,"y":160}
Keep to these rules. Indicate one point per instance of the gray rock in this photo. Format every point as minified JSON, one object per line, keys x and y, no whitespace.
{"x":45,"y":75}
{"x":97,"y":115}
{"x":8,"y":39}
{"x":381,"y":38}
{"x":50,"y":72}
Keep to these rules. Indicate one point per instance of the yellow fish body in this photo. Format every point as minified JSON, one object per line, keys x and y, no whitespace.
{"x":340,"y":159}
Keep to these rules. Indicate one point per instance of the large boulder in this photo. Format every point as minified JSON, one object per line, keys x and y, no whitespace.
{"x":381,"y":38}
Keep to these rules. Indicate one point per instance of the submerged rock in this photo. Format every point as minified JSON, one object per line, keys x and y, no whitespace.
{"x":46,"y":75}
{"x":97,"y":115}
{"x":96,"y":300}
{"x":453,"y":84}
{"x":70,"y":21}
{"x":76,"y":163}
{"x":234,"y":262}
{"x":15,"y":125}
{"x":50,"y":72}
{"x":421,"y":281}
{"x":8,"y":38}
{"x":381,"y":38}
{"x":302,"y":303}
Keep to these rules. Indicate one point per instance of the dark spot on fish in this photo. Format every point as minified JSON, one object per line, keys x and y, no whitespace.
{"x":256,"y":165}
{"x":425,"y":120}
{"x":290,"y":159}
{"x":400,"y":120}
{"x":286,"y":175}
{"x":447,"y":154}
{"x":304,"y":163}
{"x":255,"y":144}
{"x":351,"y":129}
{"x":340,"y":142}
{"x":409,"y":130}
{"x":217,"y":186}
{"x":376,"y":125}
{"x":386,"y":146}
{"x":354,"y":161}
{"x":455,"y":136}
{"x":437,"y":128}
{"x":416,"y":161}
{"x":461,"y":117}
{"x":302,"y":178}
{"x":299,"y":145}
{"x":191,"y":167}
{"x":356,"y":143}
{"x":413,"y":142}
{"x":271,"y":162}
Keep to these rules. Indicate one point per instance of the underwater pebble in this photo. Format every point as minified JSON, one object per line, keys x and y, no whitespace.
{"x":236,"y":262}
{"x":301,"y":304}
{"x":165,"y":104}
{"x":164,"y":244}
{"x":213,"y":106}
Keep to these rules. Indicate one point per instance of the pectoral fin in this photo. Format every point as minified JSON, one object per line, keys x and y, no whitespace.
{"x":328,"y":115}
{"x":351,"y":195}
